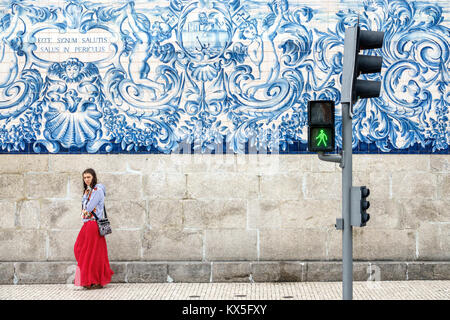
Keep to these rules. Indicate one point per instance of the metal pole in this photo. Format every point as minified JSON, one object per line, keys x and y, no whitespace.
{"x":347,"y":245}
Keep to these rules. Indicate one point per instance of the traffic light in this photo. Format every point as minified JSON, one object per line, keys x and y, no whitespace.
{"x":355,"y":64}
{"x":359,"y":206}
{"x":321,"y":129}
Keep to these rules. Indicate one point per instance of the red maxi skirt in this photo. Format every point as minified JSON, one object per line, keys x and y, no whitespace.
{"x":91,"y":254}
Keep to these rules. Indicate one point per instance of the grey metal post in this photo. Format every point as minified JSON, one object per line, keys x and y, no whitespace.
{"x":347,"y":243}
{"x":353,"y":42}
{"x":350,"y":49}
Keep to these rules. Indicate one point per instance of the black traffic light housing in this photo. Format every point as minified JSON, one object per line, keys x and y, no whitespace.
{"x":355,"y":64}
{"x":359,"y":206}
{"x":321,"y":130}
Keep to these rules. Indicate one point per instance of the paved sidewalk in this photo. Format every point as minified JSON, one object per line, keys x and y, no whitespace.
{"x":379,"y":290}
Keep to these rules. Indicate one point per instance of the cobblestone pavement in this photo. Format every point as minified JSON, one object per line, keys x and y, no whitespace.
{"x":380,"y":290}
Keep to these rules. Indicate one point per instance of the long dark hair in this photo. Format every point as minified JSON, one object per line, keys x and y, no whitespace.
{"x":94,"y":178}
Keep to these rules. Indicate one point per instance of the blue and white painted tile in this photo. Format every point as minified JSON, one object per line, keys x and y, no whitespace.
{"x":150,"y":76}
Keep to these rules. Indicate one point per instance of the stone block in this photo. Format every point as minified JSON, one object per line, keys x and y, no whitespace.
{"x":282,"y":186}
{"x":378,"y":244}
{"x":60,"y":244}
{"x":222,"y":186}
{"x":370,"y":162}
{"x":6,"y":273}
{"x":332,"y":271}
{"x":22,"y":245}
{"x":265,"y":271}
{"x":214,"y":214}
{"x":190,"y":272}
{"x":144,"y":272}
{"x":276,"y":245}
{"x":410,"y":163}
{"x":144,"y":163}
{"x":28,"y":214}
{"x":322,"y":186}
{"x":45,"y":272}
{"x":323,"y":271}
{"x":258,"y":164}
{"x":12,"y":186}
{"x":231,"y":271}
{"x":422,"y":270}
{"x":433,"y":241}
{"x":101,"y":163}
{"x":361,"y":270}
{"x":122,"y":186}
{"x":443,"y":187}
{"x":282,"y":163}
{"x":386,"y":213}
{"x":7,"y":214}
{"x":165,"y":214}
{"x":380,"y":185}
{"x":292,"y":271}
{"x":120,"y":271}
{"x":292,"y":244}
{"x":265,"y":214}
{"x":362,"y":178}
{"x":172,"y":245}
{"x":197,"y":163}
{"x":76,"y":186}
{"x":23,"y":163}
{"x":60,"y":214}
{"x":415,"y":212}
{"x":275,"y":214}
{"x":439,"y":163}
{"x":164,"y":185}
{"x":126,"y":214}
{"x":410,"y":185}
{"x":391,"y":162}
{"x":124,"y":244}
{"x":334,"y":244}
{"x":303,"y":214}
{"x":323,"y":166}
{"x":46,"y":185}
{"x":230,"y":244}
{"x":387,"y":271}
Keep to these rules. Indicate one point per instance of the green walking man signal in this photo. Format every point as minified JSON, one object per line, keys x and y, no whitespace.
{"x":321,"y":133}
{"x":322,"y":137}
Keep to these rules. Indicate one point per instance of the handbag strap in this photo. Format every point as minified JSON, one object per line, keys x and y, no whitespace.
{"x":104,"y":210}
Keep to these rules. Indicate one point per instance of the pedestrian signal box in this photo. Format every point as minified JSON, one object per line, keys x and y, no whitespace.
{"x":321,"y":131}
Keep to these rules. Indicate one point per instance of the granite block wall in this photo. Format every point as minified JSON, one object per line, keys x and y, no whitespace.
{"x":226,"y":217}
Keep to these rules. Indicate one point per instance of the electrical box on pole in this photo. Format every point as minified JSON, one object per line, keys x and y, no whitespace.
{"x":359,"y":206}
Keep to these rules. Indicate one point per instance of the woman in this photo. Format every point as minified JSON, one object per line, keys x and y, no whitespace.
{"x":90,"y":249}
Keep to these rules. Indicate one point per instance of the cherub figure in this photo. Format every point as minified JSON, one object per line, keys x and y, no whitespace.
{"x":8,"y":45}
{"x":67,"y":78}
{"x":146,"y":39}
{"x":72,"y":95}
{"x":265,"y":60}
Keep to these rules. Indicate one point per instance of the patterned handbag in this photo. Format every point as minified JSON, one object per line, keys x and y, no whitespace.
{"x":104,"y":227}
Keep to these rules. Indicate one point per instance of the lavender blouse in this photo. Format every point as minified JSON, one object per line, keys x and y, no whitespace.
{"x":96,"y":201}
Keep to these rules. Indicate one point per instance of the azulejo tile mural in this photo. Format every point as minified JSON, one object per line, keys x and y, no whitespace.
{"x":150,"y":76}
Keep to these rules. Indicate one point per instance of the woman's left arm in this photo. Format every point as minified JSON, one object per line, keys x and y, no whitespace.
{"x":96,"y":196}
